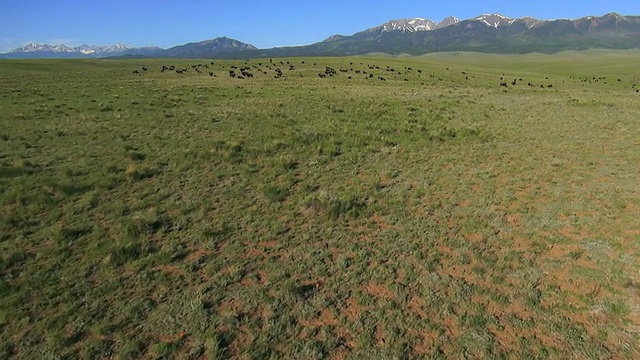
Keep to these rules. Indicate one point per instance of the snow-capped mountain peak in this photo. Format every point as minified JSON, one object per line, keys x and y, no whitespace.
{"x":33,"y":47}
{"x":83,"y":50}
{"x":494,"y":20}
{"x":406,"y":25}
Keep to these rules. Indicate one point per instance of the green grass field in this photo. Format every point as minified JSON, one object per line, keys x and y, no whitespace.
{"x":435,"y":214}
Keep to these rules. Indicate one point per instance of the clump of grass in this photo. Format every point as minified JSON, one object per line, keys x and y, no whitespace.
{"x":136,"y":155}
{"x":105,"y":107}
{"x":133,"y":349}
{"x":287,"y":163}
{"x":349,"y":206}
{"x":128,"y":252}
{"x":137,"y":172}
{"x":164,"y":349}
{"x":63,"y":234}
{"x":334,"y":207}
{"x":147,"y":225}
{"x":275,"y":193}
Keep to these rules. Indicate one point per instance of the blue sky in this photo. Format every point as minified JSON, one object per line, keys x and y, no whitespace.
{"x":264,"y":24}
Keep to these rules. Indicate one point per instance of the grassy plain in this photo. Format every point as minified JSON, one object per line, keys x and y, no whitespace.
{"x":168,"y":215}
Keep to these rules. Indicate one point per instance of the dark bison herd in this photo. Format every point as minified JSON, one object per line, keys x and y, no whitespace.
{"x":278,"y":69}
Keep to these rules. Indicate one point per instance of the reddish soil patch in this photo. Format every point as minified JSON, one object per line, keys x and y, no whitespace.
{"x":477,"y":187}
{"x":269,"y":244}
{"x":340,"y":353}
{"x":521,"y":245}
{"x":170,"y":270}
{"x":380,"y":291}
{"x":465,"y":203}
{"x":380,"y":223}
{"x":353,"y":310}
{"x":347,"y":343}
{"x":473,"y":237}
{"x":507,"y":336}
{"x":514,"y":220}
{"x":180,"y":336}
{"x":380,"y":336}
{"x":325,"y":318}
{"x":550,"y":339}
{"x":400,"y":274}
{"x":241,"y":341}
{"x":569,"y":232}
{"x":514,"y":308}
{"x":415,"y":306}
{"x":384,"y":181}
{"x":452,"y":329}
{"x":198,"y":254}
{"x":336,"y":252}
{"x":231,"y":306}
{"x":253,"y":252}
{"x":426,"y":346}
{"x":632,"y":232}
{"x":373,"y":263}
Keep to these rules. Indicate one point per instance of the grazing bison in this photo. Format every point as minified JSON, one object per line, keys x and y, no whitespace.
{"x":136,"y":72}
{"x":504,"y":84}
{"x":144,"y":68}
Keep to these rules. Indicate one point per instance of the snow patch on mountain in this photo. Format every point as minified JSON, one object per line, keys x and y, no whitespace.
{"x":405,"y":25}
{"x":494,"y":20}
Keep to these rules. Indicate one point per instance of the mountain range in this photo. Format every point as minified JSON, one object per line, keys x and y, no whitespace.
{"x":485,"y":33}
{"x":63,"y":51}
